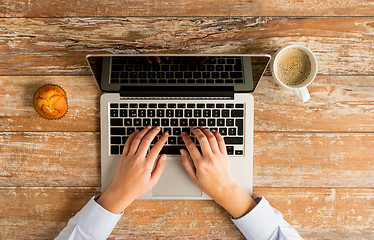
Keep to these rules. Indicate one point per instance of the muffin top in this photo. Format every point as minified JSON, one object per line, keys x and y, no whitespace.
{"x":50,"y":101}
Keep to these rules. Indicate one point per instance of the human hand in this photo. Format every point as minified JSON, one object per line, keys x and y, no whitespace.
{"x":209,"y":170}
{"x":135,"y":174}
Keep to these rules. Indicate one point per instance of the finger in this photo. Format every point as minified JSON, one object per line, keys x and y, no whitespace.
{"x":220,"y":141}
{"x":127,"y":146}
{"x":203,"y":140}
{"x":211,"y":139}
{"x":156,"y":149}
{"x":156,"y":173}
{"x":188,"y":165}
{"x":192,"y":149}
{"x":148,"y":60}
{"x":146,"y":141}
{"x":137,"y":140}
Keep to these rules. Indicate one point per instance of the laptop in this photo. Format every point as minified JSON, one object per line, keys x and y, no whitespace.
{"x":177,"y":92}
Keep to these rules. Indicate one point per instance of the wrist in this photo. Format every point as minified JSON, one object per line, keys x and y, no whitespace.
{"x":114,"y":201}
{"x":236,"y":201}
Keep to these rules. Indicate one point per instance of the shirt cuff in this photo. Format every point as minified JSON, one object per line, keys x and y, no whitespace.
{"x":96,"y":220}
{"x":261,"y":222}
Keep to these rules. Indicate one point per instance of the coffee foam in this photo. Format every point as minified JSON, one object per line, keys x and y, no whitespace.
{"x":293,"y":67}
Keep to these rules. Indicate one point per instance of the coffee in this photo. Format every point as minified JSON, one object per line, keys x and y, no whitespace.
{"x":293,"y":67}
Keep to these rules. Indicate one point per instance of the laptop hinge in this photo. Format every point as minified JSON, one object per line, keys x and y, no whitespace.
{"x":177,"y":91}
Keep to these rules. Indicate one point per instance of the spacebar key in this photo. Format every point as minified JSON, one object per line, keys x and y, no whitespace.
{"x":172,"y":150}
{"x":233,"y":140}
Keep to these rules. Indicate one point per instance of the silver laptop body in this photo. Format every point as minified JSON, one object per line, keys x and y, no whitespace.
{"x":131,"y":91}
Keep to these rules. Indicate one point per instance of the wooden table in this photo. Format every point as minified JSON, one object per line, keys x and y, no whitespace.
{"x":313,"y":161}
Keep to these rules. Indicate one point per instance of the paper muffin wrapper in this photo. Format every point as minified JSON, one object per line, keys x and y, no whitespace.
{"x":67,"y":102}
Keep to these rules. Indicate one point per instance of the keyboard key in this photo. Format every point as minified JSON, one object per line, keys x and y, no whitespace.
{"x":181,"y":105}
{"x":172,"y":105}
{"x":169,"y":113}
{"x":142,"y":105}
{"x":172,"y":150}
{"x":211,"y":122}
{"x":223,"y":131}
{"x":172,"y":140}
{"x":117,"y":131}
{"x":114,"y":113}
{"x":151,"y":113}
{"x":237,"y":113}
{"x":114,"y":105}
{"x":160,"y":113}
{"x":229,"y":122}
{"x":179,"y":113}
{"x":200,"y":105}
{"x":162,"y":105}
{"x":128,"y":121}
{"x":191,"y":105}
{"x":192,"y":122}
{"x":114,"y":149}
{"x":229,"y":105}
{"x":220,"y":122}
{"x":133,"y":105}
{"x":206,"y":113}
{"x":123,"y":113}
{"x":225,"y":113}
{"x":238,"y":152}
{"x":232,"y":131}
{"x":167,"y":130}
{"x":219,"y":105}
{"x":132,"y":113}
{"x":152,"y":105}
{"x":123,"y":105}
{"x":146,"y":122}
{"x":116,"y":122}
{"x":183,"y":122}
{"x":239,"y":125}
{"x":236,"y":75}
{"x":202,"y":122}
{"x":121,"y":147}
{"x":180,"y":140}
{"x":165,"y":122}
{"x":239,"y":105}
{"x":233,"y":140}
{"x":216,"y":113}
{"x":141,"y":113}
{"x":174,"y":122}
{"x":186,"y":130}
{"x":130,"y":130}
{"x":155,"y":122}
{"x":177,"y":131}
{"x":197,"y":113}
{"x":124,"y":139}
{"x":210,"y":105}
{"x":115,"y":140}
{"x":137,"y":122}
{"x":230,"y":150}
{"x":188,"y":113}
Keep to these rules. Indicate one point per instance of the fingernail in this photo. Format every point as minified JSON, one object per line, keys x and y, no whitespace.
{"x":213,"y":130}
{"x":148,"y":126}
{"x":182,"y":152}
{"x":158,"y":128}
{"x":166,"y":133}
{"x":184,"y":133}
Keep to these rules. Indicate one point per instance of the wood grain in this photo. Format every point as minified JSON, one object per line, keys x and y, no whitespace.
{"x":338,"y":103}
{"x":317,"y":213}
{"x":40,"y":46}
{"x":54,"y":8}
{"x":280,"y":159}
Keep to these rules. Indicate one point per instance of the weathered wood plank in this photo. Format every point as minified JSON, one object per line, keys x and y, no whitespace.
{"x":343,"y":45}
{"x":280,"y":159}
{"x":338,"y":103}
{"x":33,"y":8}
{"x":317,"y":213}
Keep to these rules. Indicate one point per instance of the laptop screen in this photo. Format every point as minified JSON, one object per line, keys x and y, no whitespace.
{"x":239,"y":72}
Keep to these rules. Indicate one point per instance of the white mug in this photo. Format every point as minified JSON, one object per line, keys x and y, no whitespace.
{"x":300,"y":90}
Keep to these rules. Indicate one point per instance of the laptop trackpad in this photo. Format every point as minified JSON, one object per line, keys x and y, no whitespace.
{"x":175,"y":182}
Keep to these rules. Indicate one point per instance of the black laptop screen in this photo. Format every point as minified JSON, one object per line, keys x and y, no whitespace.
{"x":239,"y":72}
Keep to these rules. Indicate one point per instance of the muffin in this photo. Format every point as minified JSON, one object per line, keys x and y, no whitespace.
{"x":51,"y":102}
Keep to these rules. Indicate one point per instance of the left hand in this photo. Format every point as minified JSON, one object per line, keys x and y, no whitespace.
{"x":135,"y":174}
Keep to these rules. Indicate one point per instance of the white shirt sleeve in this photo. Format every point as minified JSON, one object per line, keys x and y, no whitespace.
{"x":265,"y":222}
{"x":92,"y":222}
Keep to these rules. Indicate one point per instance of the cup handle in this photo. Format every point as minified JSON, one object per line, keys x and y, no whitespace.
{"x":302,"y":94}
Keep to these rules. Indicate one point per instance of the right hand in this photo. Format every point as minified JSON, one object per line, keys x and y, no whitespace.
{"x":209,"y":170}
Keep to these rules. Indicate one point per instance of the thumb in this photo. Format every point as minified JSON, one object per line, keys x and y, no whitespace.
{"x":188,"y":165}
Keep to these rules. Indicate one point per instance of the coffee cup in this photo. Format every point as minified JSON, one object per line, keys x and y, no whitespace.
{"x":295,"y":67}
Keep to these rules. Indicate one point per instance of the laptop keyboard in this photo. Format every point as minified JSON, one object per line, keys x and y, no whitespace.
{"x":175,"y":118}
{"x":177,"y":70}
